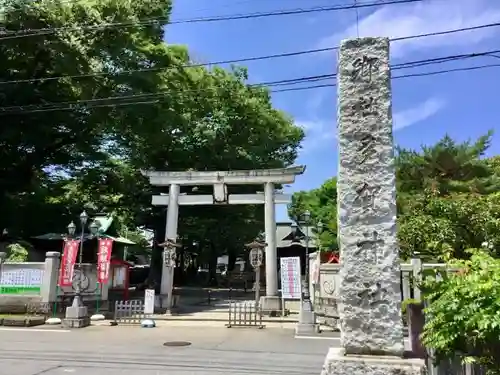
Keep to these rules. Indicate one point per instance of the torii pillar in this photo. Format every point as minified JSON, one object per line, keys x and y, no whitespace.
{"x":271,"y":302}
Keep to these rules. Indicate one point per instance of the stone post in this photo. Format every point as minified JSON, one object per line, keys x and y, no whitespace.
{"x":271,"y":302}
{"x":370,"y":296}
{"x":48,"y":291}
{"x":167,"y":275}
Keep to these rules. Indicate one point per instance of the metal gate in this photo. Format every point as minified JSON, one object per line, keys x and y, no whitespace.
{"x":244,"y":314}
{"x":129,"y":312}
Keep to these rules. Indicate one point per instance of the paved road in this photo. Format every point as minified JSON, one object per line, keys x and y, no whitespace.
{"x":132,"y":351}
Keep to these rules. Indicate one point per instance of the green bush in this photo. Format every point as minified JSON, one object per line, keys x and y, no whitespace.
{"x":463,"y":311}
{"x":17,"y":253}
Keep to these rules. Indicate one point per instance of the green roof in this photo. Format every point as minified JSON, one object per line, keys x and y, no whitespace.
{"x":105,"y":223}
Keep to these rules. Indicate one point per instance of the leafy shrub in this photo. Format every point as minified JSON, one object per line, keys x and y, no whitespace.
{"x":17,"y":253}
{"x":463,"y":311}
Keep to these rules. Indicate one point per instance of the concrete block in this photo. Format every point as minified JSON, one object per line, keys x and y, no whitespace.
{"x":76,"y":312}
{"x":337,"y":363}
{"x":76,"y":323}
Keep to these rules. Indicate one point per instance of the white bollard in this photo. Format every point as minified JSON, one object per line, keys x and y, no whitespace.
{"x":148,"y":323}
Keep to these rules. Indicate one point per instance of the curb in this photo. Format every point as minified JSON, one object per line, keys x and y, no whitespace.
{"x":195,"y":319}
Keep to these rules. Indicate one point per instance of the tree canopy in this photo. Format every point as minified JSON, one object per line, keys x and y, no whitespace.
{"x":447,"y":197}
{"x":90,"y":94}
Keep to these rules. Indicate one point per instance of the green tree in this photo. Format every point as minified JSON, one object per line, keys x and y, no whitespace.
{"x":446,"y":196}
{"x":227,"y":126}
{"x":322,"y":203}
{"x":40,"y":144}
{"x":158,"y":112}
{"x":462,"y":314}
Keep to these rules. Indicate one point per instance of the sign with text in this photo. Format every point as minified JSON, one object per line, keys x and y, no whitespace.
{"x":291,"y":286}
{"x":67,"y":269}
{"x":21,"y":281}
{"x":103,"y":259}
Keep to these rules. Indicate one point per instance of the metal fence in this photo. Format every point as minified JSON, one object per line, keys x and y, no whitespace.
{"x":129,"y":312}
{"x":244,"y":314}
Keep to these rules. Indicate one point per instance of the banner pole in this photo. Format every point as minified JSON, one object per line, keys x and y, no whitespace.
{"x":54,"y":313}
{"x":99,"y":293}
{"x":104,"y":248}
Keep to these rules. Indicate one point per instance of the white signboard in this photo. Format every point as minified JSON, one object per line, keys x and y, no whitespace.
{"x":21,"y":277}
{"x":291,"y":285}
{"x":149,"y":301}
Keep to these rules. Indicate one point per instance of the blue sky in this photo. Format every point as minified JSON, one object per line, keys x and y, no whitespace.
{"x":461,"y":104}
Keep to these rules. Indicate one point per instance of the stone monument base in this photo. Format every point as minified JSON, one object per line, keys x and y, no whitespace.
{"x":76,"y":322}
{"x":270,"y":305}
{"x":337,"y":363}
{"x":76,"y":316}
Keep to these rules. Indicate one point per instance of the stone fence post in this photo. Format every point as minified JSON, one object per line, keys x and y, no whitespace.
{"x":50,"y":277}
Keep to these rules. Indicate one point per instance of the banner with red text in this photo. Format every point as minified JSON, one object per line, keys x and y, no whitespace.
{"x":103,"y":259}
{"x":68,"y":262}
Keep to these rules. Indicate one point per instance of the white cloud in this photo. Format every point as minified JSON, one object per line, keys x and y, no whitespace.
{"x":320,"y":133}
{"x":315,"y":101}
{"x":395,"y":21}
{"x":309,"y":125}
{"x":418,"y":113}
{"x":317,"y":132}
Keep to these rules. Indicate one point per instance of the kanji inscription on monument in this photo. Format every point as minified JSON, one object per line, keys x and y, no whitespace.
{"x":370,"y":296}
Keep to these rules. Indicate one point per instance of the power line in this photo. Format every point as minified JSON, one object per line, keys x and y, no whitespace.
{"x":423,"y":74}
{"x":239,"y":60}
{"x":151,"y":21}
{"x":162,"y":93}
{"x":292,"y":12}
{"x":156,"y":97}
{"x":443,"y":59}
{"x":284,"y":82}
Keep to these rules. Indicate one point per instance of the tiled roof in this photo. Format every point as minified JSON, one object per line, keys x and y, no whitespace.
{"x":284,"y":235}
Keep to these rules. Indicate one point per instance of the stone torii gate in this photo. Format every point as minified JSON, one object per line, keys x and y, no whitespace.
{"x":219,"y":180}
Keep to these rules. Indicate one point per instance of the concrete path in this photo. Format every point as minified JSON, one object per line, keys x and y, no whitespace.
{"x":101,"y":350}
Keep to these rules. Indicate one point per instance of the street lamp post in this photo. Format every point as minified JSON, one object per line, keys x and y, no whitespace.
{"x":77,"y":314}
{"x":256,"y":255}
{"x":94,"y":231}
{"x":307,"y":318}
{"x":71,"y":230}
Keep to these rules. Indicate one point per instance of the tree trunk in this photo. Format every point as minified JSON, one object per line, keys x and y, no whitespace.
{"x":180,"y":266}
{"x":156,"y":265}
{"x":212,"y":266}
{"x":231,"y":262}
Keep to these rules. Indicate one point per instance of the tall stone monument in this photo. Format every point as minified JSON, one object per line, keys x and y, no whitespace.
{"x":370,"y":296}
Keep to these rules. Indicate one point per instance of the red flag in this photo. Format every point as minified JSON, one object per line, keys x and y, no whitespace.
{"x":68,"y":262}
{"x":103,"y":259}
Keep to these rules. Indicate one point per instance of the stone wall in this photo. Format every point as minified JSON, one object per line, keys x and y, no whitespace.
{"x":25,"y":283}
{"x":326,"y":287}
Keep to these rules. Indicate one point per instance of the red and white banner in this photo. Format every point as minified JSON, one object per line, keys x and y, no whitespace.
{"x":103,"y":259}
{"x":68,"y":262}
